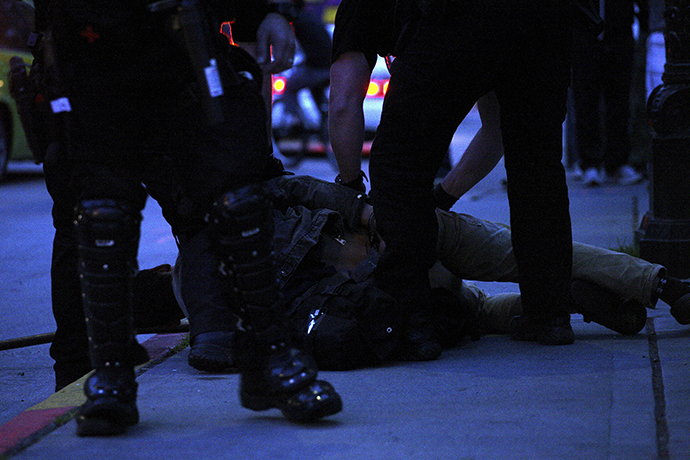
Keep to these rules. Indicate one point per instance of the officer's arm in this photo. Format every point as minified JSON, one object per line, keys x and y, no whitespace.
{"x":483,"y":153}
{"x":275,"y":38}
{"x":266,"y":23}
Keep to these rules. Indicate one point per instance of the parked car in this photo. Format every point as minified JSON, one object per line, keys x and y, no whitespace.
{"x":16,"y":23}
{"x":310,"y":115}
{"x":373,"y":103}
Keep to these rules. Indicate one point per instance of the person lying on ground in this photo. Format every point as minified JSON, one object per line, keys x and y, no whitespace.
{"x":327,"y":248}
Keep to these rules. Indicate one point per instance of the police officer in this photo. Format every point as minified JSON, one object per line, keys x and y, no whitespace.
{"x":149,"y":93}
{"x":459,"y":51}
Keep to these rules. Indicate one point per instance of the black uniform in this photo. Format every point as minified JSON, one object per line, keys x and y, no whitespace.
{"x":143,"y":106}
{"x":459,"y":51}
{"x":365,"y":26}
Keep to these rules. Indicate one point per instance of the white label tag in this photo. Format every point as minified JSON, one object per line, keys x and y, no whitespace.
{"x":60,"y":105}
{"x":215,"y":87}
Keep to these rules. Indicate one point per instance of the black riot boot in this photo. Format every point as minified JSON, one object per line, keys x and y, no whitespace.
{"x":274,"y":372}
{"x":108,"y":237}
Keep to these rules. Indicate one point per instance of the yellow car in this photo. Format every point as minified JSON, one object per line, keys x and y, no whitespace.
{"x":16,"y":23}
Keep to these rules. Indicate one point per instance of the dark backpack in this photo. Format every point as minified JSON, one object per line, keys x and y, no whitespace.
{"x":346,"y":324}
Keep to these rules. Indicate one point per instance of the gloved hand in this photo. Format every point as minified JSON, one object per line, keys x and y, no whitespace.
{"x":357,"y":184}
{"x":275,"y":37}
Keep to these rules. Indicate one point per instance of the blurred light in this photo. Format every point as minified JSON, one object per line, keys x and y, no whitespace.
{"x":377,"y":88}
{"x":373,"y":89}
{"x":278,"y":85}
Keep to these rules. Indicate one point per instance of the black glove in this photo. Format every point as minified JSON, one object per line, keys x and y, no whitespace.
{"x":357,"y":184}
{"x":443,"y":199}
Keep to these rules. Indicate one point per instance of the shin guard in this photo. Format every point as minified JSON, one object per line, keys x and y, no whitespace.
{"x":108,"y":237}
{"x":273,"y":372}
{"x":242,"y":226}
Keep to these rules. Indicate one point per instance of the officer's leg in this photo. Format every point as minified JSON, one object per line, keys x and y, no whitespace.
{"x":108,"y":237}
{"x":69,"y":348}
{"x":211,"y":322}
{"x":532,"y":97}
{"x":273,"y":372}
{"x":417,"y":117}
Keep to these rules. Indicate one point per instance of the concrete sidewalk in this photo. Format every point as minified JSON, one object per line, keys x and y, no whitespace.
{"x":604,"y":397}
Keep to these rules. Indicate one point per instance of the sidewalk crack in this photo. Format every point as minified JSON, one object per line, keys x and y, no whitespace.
{"x":662,"y":434}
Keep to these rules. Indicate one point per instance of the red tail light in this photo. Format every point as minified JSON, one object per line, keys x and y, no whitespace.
{"x":377,"y":88}
{"x":278,"y":85}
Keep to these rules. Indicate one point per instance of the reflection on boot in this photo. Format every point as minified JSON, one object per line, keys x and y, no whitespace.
{"x":275,"y":374}
{"x":111,"y":403}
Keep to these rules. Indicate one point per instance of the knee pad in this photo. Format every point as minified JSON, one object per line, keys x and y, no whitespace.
{"x":242,"y":229}
{"x":108,"y":238}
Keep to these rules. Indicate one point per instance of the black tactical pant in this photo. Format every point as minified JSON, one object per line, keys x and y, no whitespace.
{"x":462,"y":50}
{"x":133,"y":125}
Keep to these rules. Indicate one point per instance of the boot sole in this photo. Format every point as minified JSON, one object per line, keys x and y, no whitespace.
{"x":545,"y":335}
{"x":329,"y":406}
{"x":99,"y":427}
{"x":108,"y":418}
{"x":208,"y":365}
{"x":209,"y":358}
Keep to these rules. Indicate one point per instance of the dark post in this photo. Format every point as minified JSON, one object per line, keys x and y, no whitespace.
{"x":664,"y":234}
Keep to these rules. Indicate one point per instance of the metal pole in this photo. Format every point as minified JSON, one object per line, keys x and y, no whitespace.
{"x":39,"y":339}
{"x":664,"y":234}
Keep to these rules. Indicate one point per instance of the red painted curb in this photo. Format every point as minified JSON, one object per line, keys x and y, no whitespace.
{"x":27,"y":424}
{"x":160,"y":344}
{"x":30,"y":422}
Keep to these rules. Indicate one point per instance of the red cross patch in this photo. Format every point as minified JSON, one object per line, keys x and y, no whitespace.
{"x":89,"y":34}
